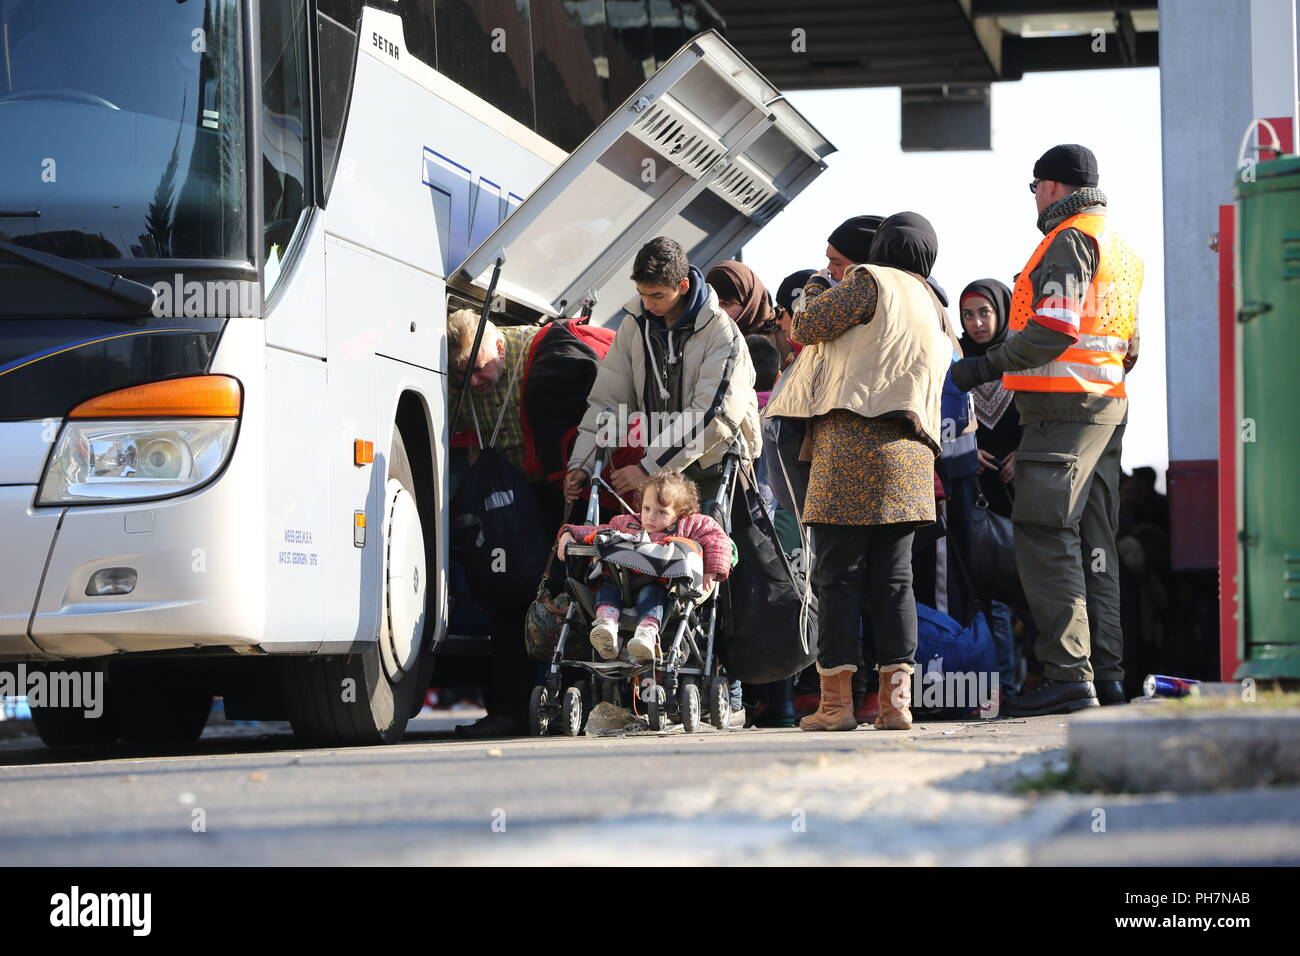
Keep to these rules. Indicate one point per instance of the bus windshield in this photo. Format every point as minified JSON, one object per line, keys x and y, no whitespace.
{"x":122,"y":129}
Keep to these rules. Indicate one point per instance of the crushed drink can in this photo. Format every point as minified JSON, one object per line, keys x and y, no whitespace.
{"x":1158,"y":685}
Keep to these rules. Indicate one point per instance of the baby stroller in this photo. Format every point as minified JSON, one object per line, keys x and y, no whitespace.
{"x":685,"y":679}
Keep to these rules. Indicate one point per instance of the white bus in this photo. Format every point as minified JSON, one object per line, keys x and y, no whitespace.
{"x":229,"y":231}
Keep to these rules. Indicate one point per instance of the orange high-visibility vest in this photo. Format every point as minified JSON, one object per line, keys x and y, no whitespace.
{"x":1102,"y":323}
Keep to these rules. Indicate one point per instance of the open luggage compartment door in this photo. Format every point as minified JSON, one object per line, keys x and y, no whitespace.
{"x":706,"y":152}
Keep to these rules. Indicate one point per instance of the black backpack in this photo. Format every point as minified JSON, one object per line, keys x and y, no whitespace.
{"x":762,"y":606}
{"x":497,"y":527}
{"x":787,"y":476}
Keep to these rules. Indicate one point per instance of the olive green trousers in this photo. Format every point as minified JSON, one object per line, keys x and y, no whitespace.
{"x":1065,"y":514}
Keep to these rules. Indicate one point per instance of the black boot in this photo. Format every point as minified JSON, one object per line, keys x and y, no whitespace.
{"x":493,"y":725}
{"x":1052,"y":697}
{"x":1111,"y":692}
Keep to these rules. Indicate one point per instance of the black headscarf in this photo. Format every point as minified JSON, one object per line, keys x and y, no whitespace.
{"x":852,"y":238}
{"x":1000,"y":296}
{"x":906,"y":240}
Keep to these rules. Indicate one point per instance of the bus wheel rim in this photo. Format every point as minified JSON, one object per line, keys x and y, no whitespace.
{"x":406,"y":582}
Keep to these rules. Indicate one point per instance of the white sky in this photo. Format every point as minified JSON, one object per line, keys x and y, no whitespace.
{"x":979,"y":201}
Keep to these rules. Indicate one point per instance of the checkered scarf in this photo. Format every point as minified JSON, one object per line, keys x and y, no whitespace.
{"x":1066,"y":207}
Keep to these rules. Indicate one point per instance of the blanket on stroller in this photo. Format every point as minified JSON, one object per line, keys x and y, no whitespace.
{"x":674,"y":559}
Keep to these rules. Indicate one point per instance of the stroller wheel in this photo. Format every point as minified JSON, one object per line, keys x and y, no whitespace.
{"x":719,"y":702}
{"x":656,"y":709}
{"x":689,"y":701}
{"x":571,"y":712}
{"x":539,"y":717}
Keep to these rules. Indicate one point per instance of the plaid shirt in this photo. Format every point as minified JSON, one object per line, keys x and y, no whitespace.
{"x":487,"y":406}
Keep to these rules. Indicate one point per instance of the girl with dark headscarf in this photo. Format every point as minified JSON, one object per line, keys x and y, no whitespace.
{"x":869,"y":383}
{"x":743,"y":297}
{"x":985,"y":305}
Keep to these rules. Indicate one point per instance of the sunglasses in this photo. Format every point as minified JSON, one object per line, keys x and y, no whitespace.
{"x":1033,"y":187}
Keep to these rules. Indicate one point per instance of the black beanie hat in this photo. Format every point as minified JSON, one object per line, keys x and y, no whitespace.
{"x":790,"y":285}
{"x":1069,"y":163}
{"x":853,"y":236}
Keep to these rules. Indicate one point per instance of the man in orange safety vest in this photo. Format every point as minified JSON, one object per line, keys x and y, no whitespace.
{"x":1072,"y":338}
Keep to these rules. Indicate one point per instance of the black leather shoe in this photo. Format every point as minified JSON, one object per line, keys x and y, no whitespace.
{"x":1052,"y":697}
{"x":493,"y":725}
{"x":1110,"y":692}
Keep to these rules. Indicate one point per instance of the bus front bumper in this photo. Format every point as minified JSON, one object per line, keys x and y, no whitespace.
{"x":198,"y":585}
{"x":25,"y":538}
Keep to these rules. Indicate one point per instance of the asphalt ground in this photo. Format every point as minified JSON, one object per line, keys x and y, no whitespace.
{"x":943,"y":793}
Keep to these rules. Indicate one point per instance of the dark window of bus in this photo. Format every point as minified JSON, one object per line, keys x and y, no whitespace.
{"x":337,"y":46}
{"x":631,"y":54}
{"x":699,"y":17}
{"x":286,"y":124}
{"x":417,"y":21}
{"x":669,"y":31}
{"x":570,"y":68}
{"x":418,"y":29}
{"x":486,"y":47}
{"x":346,"y":12}
{"x":126,"y":134}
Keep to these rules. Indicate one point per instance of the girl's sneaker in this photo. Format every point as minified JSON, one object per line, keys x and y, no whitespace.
{"x":642,"y":646}
{"x":604,"y":638}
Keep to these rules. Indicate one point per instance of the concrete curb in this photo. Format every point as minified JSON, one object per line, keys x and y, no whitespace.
{"x":1147,"y":750}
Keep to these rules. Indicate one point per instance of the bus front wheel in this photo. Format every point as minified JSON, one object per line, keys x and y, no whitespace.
{"x":63,"y":727}
{"x":142,"y":705}
{"x":369,"y":696}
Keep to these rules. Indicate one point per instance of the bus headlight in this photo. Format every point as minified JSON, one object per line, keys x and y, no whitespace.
{"x":102,"y":461}
{"x":164,"y":458}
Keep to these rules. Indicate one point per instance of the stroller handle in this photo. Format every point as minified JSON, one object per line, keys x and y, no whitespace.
{"x":593,"y":500}
{"x":731,"y":461}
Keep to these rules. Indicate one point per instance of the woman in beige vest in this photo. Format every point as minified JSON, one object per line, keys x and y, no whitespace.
{"x":869,"y":379}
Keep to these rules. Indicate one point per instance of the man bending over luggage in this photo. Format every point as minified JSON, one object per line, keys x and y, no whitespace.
{"x":683,"y":358}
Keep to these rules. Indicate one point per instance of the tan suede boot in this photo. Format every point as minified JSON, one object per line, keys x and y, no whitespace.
{"x":895,"y":697}
{"x":835,"y":712}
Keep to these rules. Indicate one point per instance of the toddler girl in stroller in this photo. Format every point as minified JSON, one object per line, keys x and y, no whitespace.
{"x":670,"y":510}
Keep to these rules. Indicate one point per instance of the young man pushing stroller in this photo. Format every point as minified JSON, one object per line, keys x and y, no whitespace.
{"x":683,"y":360}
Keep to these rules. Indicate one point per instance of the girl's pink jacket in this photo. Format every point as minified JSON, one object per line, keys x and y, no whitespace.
{"x":701,"y":529}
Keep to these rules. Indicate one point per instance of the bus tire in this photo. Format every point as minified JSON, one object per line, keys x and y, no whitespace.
{"x":366,"y":698}
{"x":69,"y":727}
{"x":63,"y":727}
{"x":143,"y":706}
{"x":163,"y":717}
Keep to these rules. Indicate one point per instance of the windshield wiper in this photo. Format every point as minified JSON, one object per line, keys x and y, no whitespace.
{"x":119,"y":287}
